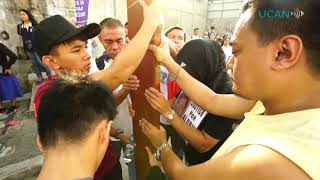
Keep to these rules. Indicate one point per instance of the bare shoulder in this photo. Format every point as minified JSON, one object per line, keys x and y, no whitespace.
{"x":257,"y":162}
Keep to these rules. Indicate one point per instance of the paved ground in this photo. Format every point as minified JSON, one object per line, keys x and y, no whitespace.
{"x":19,"y":142}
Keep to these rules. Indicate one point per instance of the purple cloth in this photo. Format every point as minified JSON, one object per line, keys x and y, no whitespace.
{"x":81,"y":12}
{"x":9,"y":87}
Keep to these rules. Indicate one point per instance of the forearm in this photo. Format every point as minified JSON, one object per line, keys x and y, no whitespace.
{"x":172,"y":165}
{"x":193,"y":136}
{"x":172,"y":101}
{"x":128,"y":59}
{"x":13,"y":57}
{"x":208,"y":99}
{"x":121,"y":95}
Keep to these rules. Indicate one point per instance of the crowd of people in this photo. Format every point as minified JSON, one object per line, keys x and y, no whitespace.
{"x":255,"y":92}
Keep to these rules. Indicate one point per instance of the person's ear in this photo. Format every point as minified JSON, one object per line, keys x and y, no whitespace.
{"x":108,"y":129}
{"x":104,"y":131}
{"x":288,"y":52}
{"x":40,"y":147}
{"x":50,"y":61}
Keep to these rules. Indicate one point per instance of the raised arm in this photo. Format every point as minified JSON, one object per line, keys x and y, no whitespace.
{"x":130,"y":57}
{"x":6,"y":51}
{"x":200,"y":140}
{"x":231,"y":106}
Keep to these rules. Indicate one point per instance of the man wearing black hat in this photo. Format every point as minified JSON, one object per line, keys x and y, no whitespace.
{"x":62,"y":46}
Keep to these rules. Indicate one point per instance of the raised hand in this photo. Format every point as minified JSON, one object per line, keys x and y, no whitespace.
{"x":155,"y":135}
{"x":8,"y":71}
{"x":132,"y":84}
{"x":162,"y":53}
{"x":157,"y":101}
{"x":152,"y":159}
{"x":152,"y":12}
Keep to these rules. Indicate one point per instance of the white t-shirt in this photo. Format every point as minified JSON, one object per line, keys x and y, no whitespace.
{"x":196,"y":37}
{"x":122,"y":120}
{"x":227,"y":51}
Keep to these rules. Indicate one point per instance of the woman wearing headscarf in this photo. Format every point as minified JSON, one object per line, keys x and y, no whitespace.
{"x":205,"y":61}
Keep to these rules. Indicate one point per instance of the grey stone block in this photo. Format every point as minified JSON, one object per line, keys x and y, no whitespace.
{"x":26,"y":169}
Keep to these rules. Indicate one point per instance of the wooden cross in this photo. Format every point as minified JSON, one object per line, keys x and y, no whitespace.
{"x":149,"y":75}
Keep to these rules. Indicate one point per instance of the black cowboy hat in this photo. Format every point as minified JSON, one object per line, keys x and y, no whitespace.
{"x":55,"y":30}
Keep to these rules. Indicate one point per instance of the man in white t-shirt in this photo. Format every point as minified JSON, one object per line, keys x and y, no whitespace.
{"x":227,"y":49}
{"x":112,"y":37}
{"x":196,"y":33}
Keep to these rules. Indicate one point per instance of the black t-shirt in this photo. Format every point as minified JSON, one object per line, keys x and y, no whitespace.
{"x":216,"y":126}
{"x":155,"y":173}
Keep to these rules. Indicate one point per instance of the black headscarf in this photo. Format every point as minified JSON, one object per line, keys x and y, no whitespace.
{"x":205,"y":61}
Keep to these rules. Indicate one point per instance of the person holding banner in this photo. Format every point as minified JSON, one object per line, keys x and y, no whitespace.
{"x":204,"y":133}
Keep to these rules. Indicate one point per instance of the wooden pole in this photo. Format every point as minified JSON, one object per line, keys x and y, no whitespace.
{"x":149,"y":76}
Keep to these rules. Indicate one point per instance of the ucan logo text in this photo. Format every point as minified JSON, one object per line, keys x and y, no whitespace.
{"x":279,"y":14}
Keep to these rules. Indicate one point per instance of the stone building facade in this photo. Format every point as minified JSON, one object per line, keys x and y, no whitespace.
{"x":9,"y":18}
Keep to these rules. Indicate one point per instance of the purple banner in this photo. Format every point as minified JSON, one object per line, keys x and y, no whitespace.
{"x":81,"y":12}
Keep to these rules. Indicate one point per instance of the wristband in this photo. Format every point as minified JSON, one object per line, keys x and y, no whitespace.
{"x":160,"y":148}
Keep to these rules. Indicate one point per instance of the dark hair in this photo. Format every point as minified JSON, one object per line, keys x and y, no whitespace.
{"x":71,"y":107}
{"x":305,"y":26}
{"x":205,"y":61}
{"x":31,"y":18}
{"x":111,"y":23}
{"x":220,"y":41}
{"x":195,"y":29}
{"x":225,"y":37}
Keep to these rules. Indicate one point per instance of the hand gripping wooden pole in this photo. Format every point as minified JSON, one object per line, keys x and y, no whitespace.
{"x":149,"y":76}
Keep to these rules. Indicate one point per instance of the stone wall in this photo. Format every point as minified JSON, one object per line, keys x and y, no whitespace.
{"x":9,"y":18}
{"x":8,"y":22}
